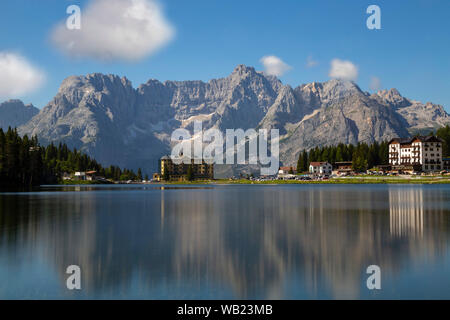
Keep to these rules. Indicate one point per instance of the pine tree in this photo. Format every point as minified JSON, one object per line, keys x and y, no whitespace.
{"x":444,"y":134}
{"x":300,"y":162}
{"x":305,"y":165}
{"x":3,"y":164}
{"x":190,"y":173}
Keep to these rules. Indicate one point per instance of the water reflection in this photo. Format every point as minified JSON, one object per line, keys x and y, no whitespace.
{"x":222,"y":242}
{"x":406,"y":212}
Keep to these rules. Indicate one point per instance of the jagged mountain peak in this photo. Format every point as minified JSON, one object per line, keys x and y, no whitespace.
{"x":340,"y":87}
{"x":242,"y":70}
{"x":393,"y":98}
{"x":15,"y":113}
{"x":318,"y":93}
{"x":391,"y":92}
{"x":245,"y":76}
{"x":97,"y":81}
{"x":313,"y":87}
{"x":243,"y":73}
{"x":16,"y":103}
{"x":11,"y":101}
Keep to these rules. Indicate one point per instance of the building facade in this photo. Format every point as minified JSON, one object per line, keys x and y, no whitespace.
{"x":80,"y":176}
{"x":343,"y":167}
{"x":416,"y":154}
{"x":181,"y":169}
{"x":287,"y":170}
{"x":320,"y":168}
{"x":446,"y":164}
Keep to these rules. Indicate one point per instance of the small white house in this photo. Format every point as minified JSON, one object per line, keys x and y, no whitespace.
{"x":66,"y":176}
{"x":80,"y":175}
{"x":286,"y":170}
{"x":320,"y":168}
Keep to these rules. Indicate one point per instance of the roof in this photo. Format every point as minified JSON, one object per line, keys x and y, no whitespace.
{"x":420,"y":138}
{"x":401,"y":140}
{"x":188,"y":160}
{"x":287,"y":168}
{"x":428,"y":139}
{"x":316,"y":164}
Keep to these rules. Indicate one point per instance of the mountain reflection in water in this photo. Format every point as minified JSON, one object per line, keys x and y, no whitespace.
{"x":268,"y":242}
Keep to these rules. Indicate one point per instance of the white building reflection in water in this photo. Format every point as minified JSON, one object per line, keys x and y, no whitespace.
{"x":406,"y":211}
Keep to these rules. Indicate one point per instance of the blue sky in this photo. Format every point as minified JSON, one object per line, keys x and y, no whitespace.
{"x":410,"y":52}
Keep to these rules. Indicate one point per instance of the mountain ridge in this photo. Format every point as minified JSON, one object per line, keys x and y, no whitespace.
{"x":115,"y":123}
{"x":14,"y":113}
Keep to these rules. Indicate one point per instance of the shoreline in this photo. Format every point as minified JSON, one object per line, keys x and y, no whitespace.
{"x":346,"y":180}
{"x":332,"y":181}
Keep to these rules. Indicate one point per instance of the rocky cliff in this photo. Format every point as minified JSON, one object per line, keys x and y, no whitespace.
{"x":14,"y":113}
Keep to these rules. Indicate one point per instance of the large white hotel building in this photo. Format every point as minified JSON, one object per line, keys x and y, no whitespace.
{"x":416,"y":154}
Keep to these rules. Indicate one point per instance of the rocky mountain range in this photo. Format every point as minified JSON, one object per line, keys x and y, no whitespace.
{"x":106,"y":117}
{"x":14,"y":113}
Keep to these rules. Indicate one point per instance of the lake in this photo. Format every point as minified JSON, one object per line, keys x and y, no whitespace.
{"x":226,"y":241}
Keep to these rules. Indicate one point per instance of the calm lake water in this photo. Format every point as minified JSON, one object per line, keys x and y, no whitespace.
{"x":226,"y":242}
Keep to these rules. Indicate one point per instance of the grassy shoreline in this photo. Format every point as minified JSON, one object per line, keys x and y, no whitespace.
{"x":356,"y":180}
{"x":81,"y":182}
{"x":346,"y":180}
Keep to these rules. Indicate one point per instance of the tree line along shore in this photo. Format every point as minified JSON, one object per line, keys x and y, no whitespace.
{"x":26,"y":163}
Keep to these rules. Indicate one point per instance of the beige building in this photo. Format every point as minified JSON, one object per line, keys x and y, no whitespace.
{"x":416,"y":154}
{"x":179,"y":170}
{"x":343,"y":167}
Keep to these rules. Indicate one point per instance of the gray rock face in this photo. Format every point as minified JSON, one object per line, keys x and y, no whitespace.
{"x":106,"y":117}
{"x":392,"y":98}
{"x":14,"y":113}
{"x":421,"y":118}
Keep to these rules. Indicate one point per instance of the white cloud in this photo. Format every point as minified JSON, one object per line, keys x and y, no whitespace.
{"x":274,"y":66}
{"x":127,"y":30}
{"x":18,"y":76}
{"x":375,"y":84}
{"x":310,"y":62}
{"x":343,"y":69}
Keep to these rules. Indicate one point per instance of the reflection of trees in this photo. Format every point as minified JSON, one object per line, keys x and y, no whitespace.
{"x":252,"y":240}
